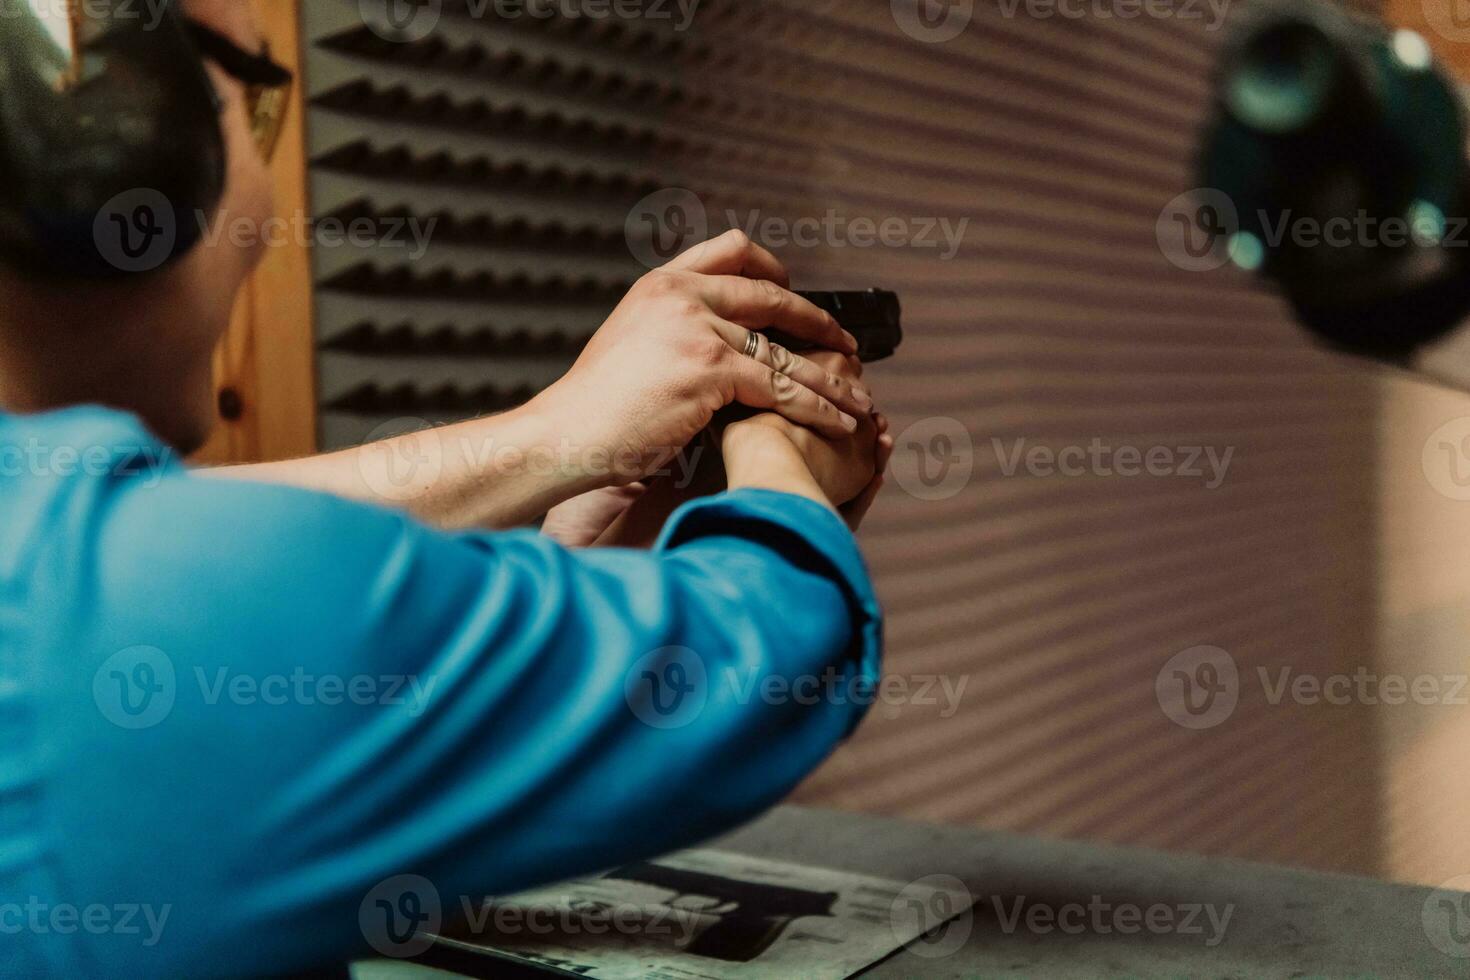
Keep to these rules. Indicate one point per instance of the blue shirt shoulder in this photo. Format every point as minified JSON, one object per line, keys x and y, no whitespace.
{"x":242,"y":710}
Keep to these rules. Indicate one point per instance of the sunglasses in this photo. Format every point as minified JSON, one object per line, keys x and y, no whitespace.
{"x":267,"y":82}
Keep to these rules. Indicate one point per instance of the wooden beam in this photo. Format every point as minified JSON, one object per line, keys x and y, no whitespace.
{"x":1440,"y":23}
{"x":265,"y":367}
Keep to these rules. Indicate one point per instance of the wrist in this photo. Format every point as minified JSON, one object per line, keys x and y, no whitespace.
{"x":520,"y":460}
{"x":759,"y":456}
{"x":755,"y":444}
{"x":555,"y":434}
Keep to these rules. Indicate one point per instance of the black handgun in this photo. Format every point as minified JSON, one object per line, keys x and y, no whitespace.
{"x":750,"y":916}
{"x":874,"y":317}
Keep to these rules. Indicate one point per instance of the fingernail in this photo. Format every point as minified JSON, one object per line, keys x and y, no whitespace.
{"x":864,"y":400}
{"x":851,"y":341}
{"x":849,"y":423}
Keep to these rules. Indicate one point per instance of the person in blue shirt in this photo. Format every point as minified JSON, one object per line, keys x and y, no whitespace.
{"x":265,"y":719}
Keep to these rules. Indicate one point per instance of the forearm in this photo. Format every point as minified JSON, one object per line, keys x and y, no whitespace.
{"x":760,"y":457}
{"x":497,"y":472}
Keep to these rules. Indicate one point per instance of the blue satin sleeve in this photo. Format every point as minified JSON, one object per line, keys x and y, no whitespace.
{"x":258,"y":708}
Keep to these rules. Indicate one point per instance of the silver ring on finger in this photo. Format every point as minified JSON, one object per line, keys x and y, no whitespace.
{"x":752,"y":344}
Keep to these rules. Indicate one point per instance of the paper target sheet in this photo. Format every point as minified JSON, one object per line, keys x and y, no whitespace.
{"x":708,"y":915}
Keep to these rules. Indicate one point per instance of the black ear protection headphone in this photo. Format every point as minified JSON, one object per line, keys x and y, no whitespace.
{"x":112,"y":156}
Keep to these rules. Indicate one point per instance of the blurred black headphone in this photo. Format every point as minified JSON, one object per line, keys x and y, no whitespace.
{"x":112,"y":156}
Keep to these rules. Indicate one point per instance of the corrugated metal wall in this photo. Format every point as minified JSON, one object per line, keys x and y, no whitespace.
{"x":1061,"y":322}
{"x":1058,"y":321}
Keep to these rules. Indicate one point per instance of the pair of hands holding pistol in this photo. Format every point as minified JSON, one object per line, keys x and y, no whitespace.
{"x":675,"y":367}
{"x":670,"y":369}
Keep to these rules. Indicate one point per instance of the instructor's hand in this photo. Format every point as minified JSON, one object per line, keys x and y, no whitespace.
{"x":674,"y":353}
{"x":850,"y":469}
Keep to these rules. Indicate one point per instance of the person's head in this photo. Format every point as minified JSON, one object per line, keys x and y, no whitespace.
{"x":144,"y":343}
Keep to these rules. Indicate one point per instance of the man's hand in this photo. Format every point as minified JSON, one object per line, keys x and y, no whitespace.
{"x":671,"y":355}
{"x":762,"y":450}
{"x":674,"y":353}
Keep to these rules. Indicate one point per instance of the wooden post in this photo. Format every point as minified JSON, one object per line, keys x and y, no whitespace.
{"x":265,"y":368}
{"x":1422,"y":16}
